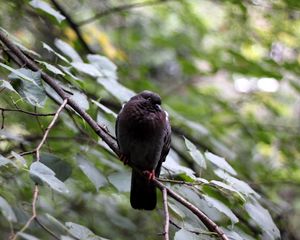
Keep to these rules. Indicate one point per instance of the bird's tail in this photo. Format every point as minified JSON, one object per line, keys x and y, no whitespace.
{"x":143,"y":192}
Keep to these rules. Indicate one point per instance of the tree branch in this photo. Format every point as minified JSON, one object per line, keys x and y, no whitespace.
{"x":73,"y":25}
{"x":105,"y":136}
{"x":120,"y":9}
{"x":166,"y":211}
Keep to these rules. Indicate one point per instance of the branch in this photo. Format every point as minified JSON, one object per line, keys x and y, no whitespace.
{"x":26,"y":112}
{"x":211,"y":226}
{"x":37,"y":150}
{"x":73,"y":25}
{"x":166,"y":211}
{"x":104,"y":135}
{"x":36,"y":189}
{"x":120,"y":9}
{"x":35,"y":196}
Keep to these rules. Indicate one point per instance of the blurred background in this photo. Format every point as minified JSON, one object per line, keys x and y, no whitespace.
{"x":227,"y":71}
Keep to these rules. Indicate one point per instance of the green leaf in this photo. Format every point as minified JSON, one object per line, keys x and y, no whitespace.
{"x":222,"y":208}
{"x":20,"y":161}
{"x":46,"y":46}
{"x":82,"y":232}
{"x":195,"y":153}
{"x":220,"y":162}
{"x":227,"y":187}
{"x":67,"y":50}
{"x":33,"y":91}
{"x":4,"y":161}
{"x":105,"y":109}
{"x":92,"y":173}
{"x":20,"y":73}
{"x":44,"y":6}
{"x":107,"y":68}
{"x":183,"y":234}
{"x":263,"y":219}
{"x":7,"y":85}
{"x":116,"y":89}
{"x":237,"y":184}
{"x":52,"y":68}
{"x":61,"y":168}
{"x":86,"y":68}
{"x":121,"y":181}
{"x":7,"y":211}
{"x":41,"y":172}
{"x":27,"y":236}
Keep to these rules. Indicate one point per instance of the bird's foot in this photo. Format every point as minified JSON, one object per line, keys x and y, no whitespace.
{"x":124,"y":159}
{"x":149,"y":174}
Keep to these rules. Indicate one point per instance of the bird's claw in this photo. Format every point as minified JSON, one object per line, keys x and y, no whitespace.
{"x":149,"y":174}
{"x":124,"y":159}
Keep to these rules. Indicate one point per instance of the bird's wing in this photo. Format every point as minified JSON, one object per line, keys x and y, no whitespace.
{"x":165,"y":149}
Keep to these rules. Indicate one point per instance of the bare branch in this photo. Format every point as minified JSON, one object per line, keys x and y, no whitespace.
{"x":120,"y":9}
{"x":166,"y":211}
{"x":26,"y":112}
{"x":49,"y":128}
{"x":35,"y":196}
{"x":73,"y":25}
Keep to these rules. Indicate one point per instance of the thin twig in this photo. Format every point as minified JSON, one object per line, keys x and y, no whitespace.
{"x":120,"y":9}
{"x":106,"y":137}
{"x":166,"y":211}
{"x":26,"y":112}
{"x":49,"y":128}
{"x":46,"y":229}
{"x":35,"y":196}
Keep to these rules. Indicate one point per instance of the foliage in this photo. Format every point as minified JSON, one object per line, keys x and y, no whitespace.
{"x":227,"y":72}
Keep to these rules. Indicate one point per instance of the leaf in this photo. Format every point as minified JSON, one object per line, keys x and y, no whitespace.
{"x":27,"y":236}
{"x":237,"y":184}
{"x":92,"y":173}
{"x":227,"y":187}
{"x":263,"y":219}
{"x":116,"y":89}
{"x":81,"y":99}
{"x":19,"y":73}
{"x":104,"y":65}
{"x":7,"y":85}
{"x":44,"y":6}
{"x":222,"y":208}
{"x":39,"y":171}
{"x":183,"y":234}
{"x":67,"y":50}
{"x":7,"y":211}
{"x":4,"y":161}
{"x":175,"y":167}
{"x":87,"y":68}
{"x":121,"y":181}
{"x":195,"y":153}
{"x":33,"y":91}
{"x":82,"y":232}
{"x":105,"y":109}
{"x":52,"y":68}
{"x":19,"y":159}
{"x":61,"y":168}
{"x":56,"y":222}
{"x":220,"y":162}
{"x":46,"y":46}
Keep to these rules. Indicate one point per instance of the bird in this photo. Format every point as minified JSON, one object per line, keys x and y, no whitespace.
{"x":143,"y":134}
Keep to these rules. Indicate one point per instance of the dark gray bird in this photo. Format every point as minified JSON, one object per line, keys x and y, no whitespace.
{"x":144,"y":136}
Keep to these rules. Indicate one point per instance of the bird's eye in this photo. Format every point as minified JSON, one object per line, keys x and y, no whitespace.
{"x":149,"y":98}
